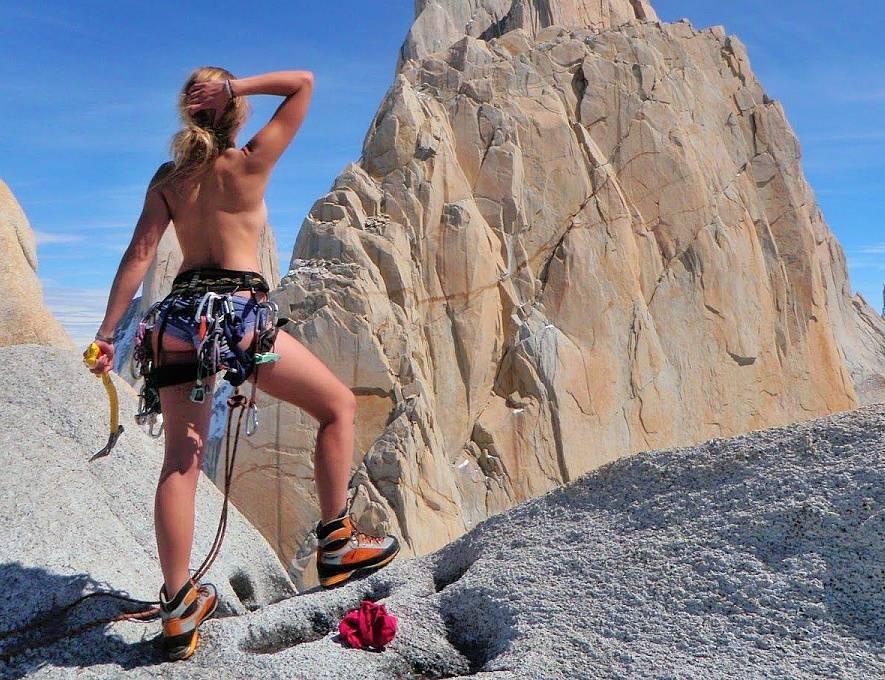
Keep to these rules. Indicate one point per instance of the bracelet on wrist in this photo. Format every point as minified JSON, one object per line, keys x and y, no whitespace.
{"x":105,"y":338}
{"x":228,"y":88}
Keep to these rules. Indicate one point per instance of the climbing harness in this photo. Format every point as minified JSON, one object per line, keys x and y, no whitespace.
{"x":220,"y":333}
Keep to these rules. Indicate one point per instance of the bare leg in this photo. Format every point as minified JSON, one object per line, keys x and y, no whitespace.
{"x":185,"y":426}
{"x":300,"y":378}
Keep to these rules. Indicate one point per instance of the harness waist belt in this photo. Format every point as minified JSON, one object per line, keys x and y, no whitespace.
{"x":204,"y":279}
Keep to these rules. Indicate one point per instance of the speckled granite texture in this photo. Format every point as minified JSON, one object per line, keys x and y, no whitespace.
{"x":756,"y":556}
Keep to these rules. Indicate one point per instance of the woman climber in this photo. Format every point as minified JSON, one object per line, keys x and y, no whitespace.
{"x":218,"y":316}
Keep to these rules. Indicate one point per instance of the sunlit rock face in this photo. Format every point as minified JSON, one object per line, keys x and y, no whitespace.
{"x":441,"y":23}
{"x":564,"y":243}
{"x":24,"y":317}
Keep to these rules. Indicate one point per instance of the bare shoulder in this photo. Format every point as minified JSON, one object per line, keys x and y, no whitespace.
{"x":232,"y":154}
{"x":234,"y":161}
{"x":162,"y":171}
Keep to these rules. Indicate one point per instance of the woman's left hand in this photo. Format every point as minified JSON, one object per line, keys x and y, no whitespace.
{"x":105,"y":361}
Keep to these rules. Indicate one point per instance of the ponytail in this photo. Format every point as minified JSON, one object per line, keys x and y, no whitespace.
{"x":200,"y":142}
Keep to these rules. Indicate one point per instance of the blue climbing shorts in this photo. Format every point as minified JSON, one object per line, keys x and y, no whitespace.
{"x":204,"y":310}
{"x":183,"y":320}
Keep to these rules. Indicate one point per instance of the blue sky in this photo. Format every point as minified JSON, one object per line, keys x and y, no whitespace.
{"x":87,"y":107}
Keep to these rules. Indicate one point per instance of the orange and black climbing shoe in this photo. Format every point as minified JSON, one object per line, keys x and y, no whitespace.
{"x":344,"y":551}
{"x":182,"y":616}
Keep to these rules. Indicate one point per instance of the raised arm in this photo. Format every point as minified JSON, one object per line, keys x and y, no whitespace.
{"x":268,"y":144}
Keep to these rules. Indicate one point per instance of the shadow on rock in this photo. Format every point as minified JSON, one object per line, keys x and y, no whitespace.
{"x":478,"y":624}
{"x":32,"y":633}
{"x":831,"y":551}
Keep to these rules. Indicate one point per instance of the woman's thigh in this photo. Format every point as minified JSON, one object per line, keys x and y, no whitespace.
{"x":185,"y":423}
{"x":301,"y":378}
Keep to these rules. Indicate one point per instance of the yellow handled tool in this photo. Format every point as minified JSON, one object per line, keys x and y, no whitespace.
{"x":90,"y":358}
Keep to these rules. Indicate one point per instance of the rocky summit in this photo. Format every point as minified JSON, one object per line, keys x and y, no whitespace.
{"x":574,"y":233}
{"x":761,"y":555}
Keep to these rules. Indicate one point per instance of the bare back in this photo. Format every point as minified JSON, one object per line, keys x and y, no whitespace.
{"x":218,"y":215}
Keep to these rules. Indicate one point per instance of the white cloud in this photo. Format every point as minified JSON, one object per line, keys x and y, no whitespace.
{"x":858,"y":262}
{"x":79,"y":310}
{"x":46,"y":238}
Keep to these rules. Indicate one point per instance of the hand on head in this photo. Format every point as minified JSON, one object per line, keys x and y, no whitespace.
{"x":209,"y":94}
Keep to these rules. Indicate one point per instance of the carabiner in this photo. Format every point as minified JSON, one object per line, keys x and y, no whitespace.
{"x":252,"y":419}
{"x":152,"y":419}
{"x":227,"y":305}
{"x":207,"y":301}
{"x":271,"y":313}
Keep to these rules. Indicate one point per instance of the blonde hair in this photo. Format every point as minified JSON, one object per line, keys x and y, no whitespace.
{"x":199,"y":142}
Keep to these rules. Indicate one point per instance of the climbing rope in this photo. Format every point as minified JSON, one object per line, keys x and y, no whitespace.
{"x":151,"y":608}
{"x":262,"y":346}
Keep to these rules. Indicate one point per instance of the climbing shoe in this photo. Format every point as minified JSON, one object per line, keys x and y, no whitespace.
{"x":344,"y":551}
{"x":182,"y":616}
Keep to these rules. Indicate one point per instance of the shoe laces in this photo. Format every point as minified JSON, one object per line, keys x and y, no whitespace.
{"x":205,"y":589}
{"x":358,"y":535}
{"x":362,"y":537}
